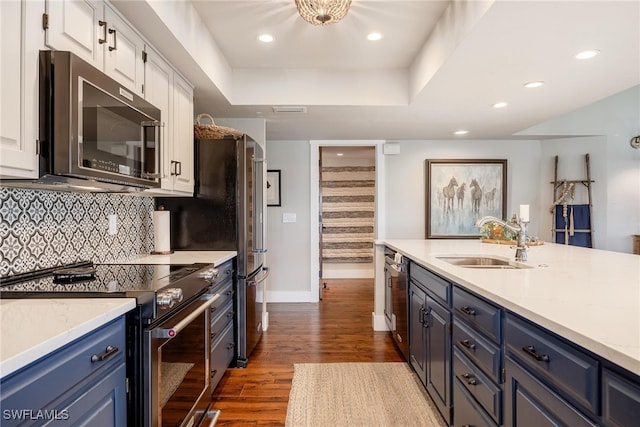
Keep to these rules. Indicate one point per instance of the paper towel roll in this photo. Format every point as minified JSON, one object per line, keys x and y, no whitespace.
{"x":162,"y":232}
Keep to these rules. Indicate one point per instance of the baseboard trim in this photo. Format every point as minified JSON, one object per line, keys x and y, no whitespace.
{"x":379,"y":322}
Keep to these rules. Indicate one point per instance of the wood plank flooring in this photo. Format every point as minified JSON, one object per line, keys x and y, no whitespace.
{"x":337,"y":329}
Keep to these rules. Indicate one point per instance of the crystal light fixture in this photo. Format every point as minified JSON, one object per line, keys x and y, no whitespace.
{"x":323,"y":12}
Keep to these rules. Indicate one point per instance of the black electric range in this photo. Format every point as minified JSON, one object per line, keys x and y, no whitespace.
{"x":160,"y":289}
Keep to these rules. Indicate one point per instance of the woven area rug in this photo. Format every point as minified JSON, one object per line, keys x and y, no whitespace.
{"x":359,"y":394}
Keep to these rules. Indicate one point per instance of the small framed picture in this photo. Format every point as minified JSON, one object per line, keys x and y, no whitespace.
{"x":273,"y":188}
{"x":459,"y":192}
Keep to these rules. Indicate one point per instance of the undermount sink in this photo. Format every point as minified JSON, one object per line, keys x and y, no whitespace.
{"x":485,"y":262}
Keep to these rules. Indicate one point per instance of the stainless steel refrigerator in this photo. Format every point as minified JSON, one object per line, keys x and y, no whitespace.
{"x":226,"y":213}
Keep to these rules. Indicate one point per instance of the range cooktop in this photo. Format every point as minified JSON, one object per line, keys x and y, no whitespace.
{"x":158,"y":288}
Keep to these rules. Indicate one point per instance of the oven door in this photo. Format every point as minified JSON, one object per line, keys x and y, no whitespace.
{"x":177,"y":356}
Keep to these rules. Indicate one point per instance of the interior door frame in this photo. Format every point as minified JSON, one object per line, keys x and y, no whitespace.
{"x":314,"y":208}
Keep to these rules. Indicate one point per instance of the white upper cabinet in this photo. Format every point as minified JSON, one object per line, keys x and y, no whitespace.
{"x":183,"y":134}
{"x":165,"y":89}
{"x":18,"y":109}
{"x":95,"y":32}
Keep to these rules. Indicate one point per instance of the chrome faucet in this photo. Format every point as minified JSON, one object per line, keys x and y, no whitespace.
{"x":521,"y":232}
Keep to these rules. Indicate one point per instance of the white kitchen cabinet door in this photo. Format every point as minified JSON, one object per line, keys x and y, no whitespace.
{"x":123,"y":52}
{"x":74,"y":25}
{"x":158,"y":90}
{"x":183,"y":135}
{"x":17,"y":141}
{"x":92,"y":30}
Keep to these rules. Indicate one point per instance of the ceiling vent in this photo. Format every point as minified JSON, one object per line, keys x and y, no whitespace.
{"x":289,"y":109}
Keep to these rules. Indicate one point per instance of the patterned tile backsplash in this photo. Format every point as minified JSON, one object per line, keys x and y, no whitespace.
{"x":41,"y":229}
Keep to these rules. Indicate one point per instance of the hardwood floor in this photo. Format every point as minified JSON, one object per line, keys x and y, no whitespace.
{"x":337,"y":329}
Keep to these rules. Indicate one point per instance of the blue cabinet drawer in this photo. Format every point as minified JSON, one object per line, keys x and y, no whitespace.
{"x":478,"y":385}
{"x":436,"y":285}
{"x":481,"y":351}
{"x":55,"y":382}
{"x":562,"y":365}
{"x":467,"y":412}
{"x":226,"y":295}
{"x":530,"y":403}
{"x":222,"y":351}
{"x":225,"y":273}
{"x":478,"y":313}
{"x":219,"y":323}
{"x":620,"y":400}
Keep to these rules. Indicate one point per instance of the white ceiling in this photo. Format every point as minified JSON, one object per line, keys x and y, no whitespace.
{"x":440,"y":66}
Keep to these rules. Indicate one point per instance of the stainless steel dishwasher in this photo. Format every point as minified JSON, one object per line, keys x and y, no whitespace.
{"x":396,"y":296}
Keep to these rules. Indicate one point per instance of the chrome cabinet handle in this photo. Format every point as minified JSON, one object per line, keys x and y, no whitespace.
{"x":531,"y":351}
{"x":108,"y":352}
{"x":104,"y":32}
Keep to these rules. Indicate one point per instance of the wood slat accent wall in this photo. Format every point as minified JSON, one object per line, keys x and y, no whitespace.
{"x":348,"y":208}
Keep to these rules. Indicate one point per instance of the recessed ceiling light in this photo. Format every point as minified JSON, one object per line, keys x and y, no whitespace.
{"x":531,"y":85}
{"x":266,"y":38}
{"x":374,"y":36}
{"x":339,"y":154}
{"x":501,"y":104}
{"x":586,"y":54}
{"x":461,"y":132}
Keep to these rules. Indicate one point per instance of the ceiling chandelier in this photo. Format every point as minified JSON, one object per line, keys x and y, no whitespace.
{"x":323,"y":12}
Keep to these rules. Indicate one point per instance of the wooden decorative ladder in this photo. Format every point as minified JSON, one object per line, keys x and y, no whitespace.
{"x":560,"y":190}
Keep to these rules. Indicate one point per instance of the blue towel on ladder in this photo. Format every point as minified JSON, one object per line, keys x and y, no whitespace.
{"x":581,"y":221}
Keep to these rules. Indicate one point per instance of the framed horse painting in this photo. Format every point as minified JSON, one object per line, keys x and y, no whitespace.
{"x":459,"y":192}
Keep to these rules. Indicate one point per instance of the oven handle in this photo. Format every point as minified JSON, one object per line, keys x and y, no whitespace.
{"x":262,"y":279}
{"x":168,"y":333}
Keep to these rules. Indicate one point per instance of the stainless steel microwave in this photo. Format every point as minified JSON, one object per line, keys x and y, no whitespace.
{"x":94,"y":133}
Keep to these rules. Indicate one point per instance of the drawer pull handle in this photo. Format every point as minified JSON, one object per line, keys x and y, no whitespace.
{"x":468,"y":310}
{"x":470,"y":379}
{"x":108,"y":352}
{"x":213,"y":373}
{"x":531,"y":351}
{"x":230,"y":292}
{"x":468,"y":344}
{"x":230,"y":346}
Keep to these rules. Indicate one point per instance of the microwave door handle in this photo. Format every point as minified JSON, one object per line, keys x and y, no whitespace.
{"x":157,"y":125}
{"x":168,"y":333}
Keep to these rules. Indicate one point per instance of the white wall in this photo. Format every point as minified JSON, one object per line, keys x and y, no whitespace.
{"x":612,"y":121}
{"x":288,"y":250}
{"x":405,"y":179}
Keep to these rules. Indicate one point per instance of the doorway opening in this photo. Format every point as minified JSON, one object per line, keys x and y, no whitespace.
{"x":347,"y":208}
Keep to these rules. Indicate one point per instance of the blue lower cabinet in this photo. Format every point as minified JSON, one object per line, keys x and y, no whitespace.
{"x":483,"y":390}
{"x":529,"y":403}
{"x":467,"y":411}
{"x":83,"y":383}
{"x":430,"y":346}
{"x":620,"y":400}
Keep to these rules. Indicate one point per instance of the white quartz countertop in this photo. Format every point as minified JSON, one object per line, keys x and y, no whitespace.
{"x":588,"y":296}
{"x":183,"y":257}
{"x":33,"y":328}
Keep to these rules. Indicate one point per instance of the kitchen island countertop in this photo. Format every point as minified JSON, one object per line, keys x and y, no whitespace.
{"x":588,"y":296}
{"x":33,"y":328}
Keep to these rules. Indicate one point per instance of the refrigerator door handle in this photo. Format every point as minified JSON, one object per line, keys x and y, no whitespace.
{"x":256,"y":282}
